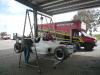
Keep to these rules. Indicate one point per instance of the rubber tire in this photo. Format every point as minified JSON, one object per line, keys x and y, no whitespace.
{"x":88,"y":47}
{"x":77,"y":47}
{"x":17,"y":47}
{"x":61,"y":53}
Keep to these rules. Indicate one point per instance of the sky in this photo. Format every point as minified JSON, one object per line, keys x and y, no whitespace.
{"x":12,"y":16}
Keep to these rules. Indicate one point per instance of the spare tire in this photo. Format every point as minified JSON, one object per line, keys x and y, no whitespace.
{"x":17,"y":47}
{"x":61,"y":53}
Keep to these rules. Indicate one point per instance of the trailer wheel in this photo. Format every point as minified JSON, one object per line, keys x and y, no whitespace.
{"x":17,"y":47}
{"x":61,"y":53}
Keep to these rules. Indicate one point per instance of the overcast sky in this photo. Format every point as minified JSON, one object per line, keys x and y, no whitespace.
{"x":12,"y":15}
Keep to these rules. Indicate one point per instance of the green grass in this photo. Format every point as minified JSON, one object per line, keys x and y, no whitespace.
{"x":97,"y":36}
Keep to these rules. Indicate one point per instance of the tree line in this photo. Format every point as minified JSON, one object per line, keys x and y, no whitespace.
{"x":91,"y":17}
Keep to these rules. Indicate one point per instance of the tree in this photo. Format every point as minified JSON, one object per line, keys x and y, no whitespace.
{"x":3,"y":34}
{"x":90,"y":17}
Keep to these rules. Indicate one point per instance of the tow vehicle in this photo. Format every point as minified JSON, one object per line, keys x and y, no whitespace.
{"x":70,"y":31}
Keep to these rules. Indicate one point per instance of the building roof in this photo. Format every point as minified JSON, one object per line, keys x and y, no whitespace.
{"x":52,"y":7}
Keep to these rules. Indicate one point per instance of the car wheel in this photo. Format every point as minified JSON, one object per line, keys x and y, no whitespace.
{"x":77,"y":47}
{"x":61,"y":53}
{"x":89,"y":48}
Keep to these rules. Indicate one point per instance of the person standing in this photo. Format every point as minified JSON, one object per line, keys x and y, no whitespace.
{"x":27,"y":43}
{"x":48,"y":36}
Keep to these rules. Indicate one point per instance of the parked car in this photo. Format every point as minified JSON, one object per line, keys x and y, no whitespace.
{"x":6,"y":37}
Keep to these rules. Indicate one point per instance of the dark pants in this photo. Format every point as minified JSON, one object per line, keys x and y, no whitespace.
{"x":26,"y":53}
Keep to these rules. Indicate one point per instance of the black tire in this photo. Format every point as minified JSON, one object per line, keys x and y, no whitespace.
{"x":61,"y":53}
{"x":88,"y":47}
{"x":17,"y":47}
{"x":77,"y":47}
